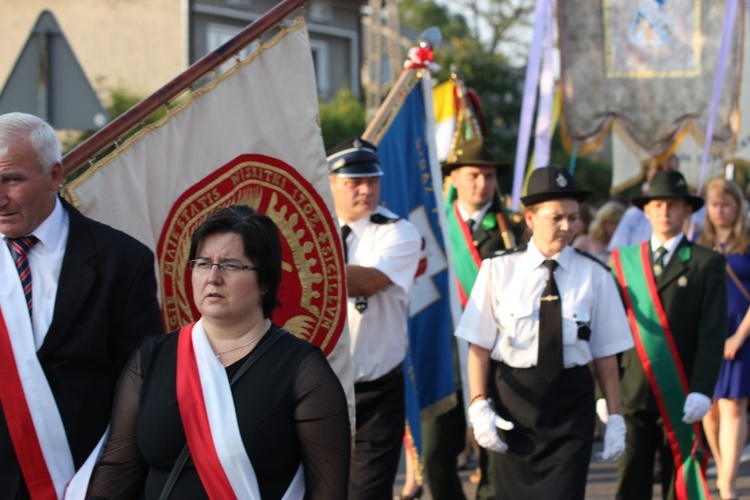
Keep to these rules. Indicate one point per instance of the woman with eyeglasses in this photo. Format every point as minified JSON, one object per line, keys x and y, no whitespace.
{"x":231,"y":406}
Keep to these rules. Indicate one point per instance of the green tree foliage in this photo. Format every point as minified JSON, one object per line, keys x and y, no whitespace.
{"x":341,"y":118}
{"x":420,"y":15}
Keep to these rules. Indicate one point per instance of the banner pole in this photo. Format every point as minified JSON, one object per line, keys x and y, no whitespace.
{"x":373,"y":133}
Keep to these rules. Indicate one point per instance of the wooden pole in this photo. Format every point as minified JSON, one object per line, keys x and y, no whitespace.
{"x":390,"y":107}
{"x":125,"y":122}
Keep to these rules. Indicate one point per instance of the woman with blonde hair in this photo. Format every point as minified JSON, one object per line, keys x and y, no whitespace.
{"x":725,"y":424}
{"x":601,"y":230}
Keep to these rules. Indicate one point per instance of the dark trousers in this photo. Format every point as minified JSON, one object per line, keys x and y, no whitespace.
{"x":486,"y":486}
{"x":443,"y":438}
{"x":636,"y":468}
{"x":380,"y":431}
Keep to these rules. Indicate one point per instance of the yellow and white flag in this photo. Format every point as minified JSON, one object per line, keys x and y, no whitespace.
{"x":250,"y":137}
{"x":446,"y":116}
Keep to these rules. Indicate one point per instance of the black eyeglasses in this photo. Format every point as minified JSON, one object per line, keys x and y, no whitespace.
{"x":204,"y":266}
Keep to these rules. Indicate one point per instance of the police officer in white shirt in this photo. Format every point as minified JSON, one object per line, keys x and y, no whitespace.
{"x":537,"y":318}
{"x":382,"y":252}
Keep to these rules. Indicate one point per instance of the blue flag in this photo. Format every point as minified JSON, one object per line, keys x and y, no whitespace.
{"x":411,"y":187}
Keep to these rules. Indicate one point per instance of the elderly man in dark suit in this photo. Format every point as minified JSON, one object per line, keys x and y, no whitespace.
{"x":676,"y":297}
{"x":76,"y":297}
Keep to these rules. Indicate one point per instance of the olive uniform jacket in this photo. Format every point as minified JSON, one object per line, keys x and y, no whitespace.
{"x":693,"y":292}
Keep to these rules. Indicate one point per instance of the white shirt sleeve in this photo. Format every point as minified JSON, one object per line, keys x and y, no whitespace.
{"x":477,"y":325}
{"x":609,"y":323}
{"x":398,"y":253}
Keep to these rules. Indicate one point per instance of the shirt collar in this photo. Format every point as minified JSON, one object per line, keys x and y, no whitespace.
{"x":50,"y":230}
{"x":359,"y":225}
{"x":670,"y":244}
{"x":536,"y":258}
{"x":476,"y":216}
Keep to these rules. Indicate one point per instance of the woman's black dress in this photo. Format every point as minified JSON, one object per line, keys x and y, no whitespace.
{"x":290,"y":408}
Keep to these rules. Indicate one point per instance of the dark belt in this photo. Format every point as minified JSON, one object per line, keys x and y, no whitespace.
{"x":371,"y":385}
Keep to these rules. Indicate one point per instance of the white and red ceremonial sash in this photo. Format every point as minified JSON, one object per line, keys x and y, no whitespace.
{"x":34,"y":422}
{"x":204,"y":397}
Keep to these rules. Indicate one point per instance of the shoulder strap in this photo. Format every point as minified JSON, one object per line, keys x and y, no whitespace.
{"x":185,"y":453}
{"x":737,"y":282}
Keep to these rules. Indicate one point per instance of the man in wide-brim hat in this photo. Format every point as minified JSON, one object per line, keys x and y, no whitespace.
{"x":676,"y":296}
{"x":539,"y":315}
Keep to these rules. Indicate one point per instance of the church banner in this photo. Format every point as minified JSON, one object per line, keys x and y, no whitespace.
{"x":629,"y":161}
{"x":650,"y":66}
{"x":251,"y":136}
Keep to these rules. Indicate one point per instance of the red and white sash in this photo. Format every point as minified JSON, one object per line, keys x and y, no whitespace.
{"x":34,"y":423}
{"x":204,"y":397}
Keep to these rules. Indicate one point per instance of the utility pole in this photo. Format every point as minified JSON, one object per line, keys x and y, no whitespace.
{"x":381,"y":40}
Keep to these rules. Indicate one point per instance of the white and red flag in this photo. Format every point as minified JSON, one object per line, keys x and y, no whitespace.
{"x":250,"y":136}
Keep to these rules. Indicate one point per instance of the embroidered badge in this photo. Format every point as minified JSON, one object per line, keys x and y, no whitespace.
{"x":312,"y":291}
{"x":561,"y":180}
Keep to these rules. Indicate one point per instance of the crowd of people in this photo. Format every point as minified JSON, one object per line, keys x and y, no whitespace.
{"x":638,"y":310}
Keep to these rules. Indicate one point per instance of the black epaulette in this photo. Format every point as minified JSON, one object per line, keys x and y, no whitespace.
{"x":586,"y":254}
{"x":516,"y":249}
{"x":382,"y":219}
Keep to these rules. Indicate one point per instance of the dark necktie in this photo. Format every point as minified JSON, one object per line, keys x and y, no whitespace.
{"x":550,"y":356}
{"x":659,"y":261}
{"x":345,"y":232}
{"x":470,"y":223}
{"x":20,"y":248}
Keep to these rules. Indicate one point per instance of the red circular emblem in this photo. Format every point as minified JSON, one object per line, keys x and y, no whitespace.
{"x":312,"y":292}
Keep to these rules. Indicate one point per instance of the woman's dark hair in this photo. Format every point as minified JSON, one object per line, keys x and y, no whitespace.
{"x":260,"y":238}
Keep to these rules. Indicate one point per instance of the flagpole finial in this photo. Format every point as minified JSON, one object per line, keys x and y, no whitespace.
{"x":422,"y":55}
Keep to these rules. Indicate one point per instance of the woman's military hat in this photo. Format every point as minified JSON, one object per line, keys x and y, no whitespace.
{"x":354,"y":158}
{"x":473,"y":153}
{"x":668,"y":184}
{"x":552,"y":183}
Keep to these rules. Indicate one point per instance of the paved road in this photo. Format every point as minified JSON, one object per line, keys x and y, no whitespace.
{"x":602,"y":478}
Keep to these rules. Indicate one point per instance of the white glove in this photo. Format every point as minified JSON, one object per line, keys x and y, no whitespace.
{"x":696,"y":407}
{"x":614,"y":439}
{"x":601,"y":410}
{"x":485,"y":423}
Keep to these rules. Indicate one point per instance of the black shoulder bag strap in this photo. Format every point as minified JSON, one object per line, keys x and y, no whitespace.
{"x":185,"y":453}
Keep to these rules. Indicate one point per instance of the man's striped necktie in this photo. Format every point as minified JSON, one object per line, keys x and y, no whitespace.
{"x":21,"y":247}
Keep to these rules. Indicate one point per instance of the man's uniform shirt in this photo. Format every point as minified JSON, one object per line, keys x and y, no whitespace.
{"x":379,"y":336}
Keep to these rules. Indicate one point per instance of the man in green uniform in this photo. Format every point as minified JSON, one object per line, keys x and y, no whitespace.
{"x":676,"y":298}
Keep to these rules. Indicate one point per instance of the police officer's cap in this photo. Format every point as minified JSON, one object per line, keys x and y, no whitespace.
{"x":552,"y":183}
{"x":354,"y":158}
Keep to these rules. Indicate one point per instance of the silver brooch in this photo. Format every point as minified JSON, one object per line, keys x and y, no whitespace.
{"x":561,"y":180}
